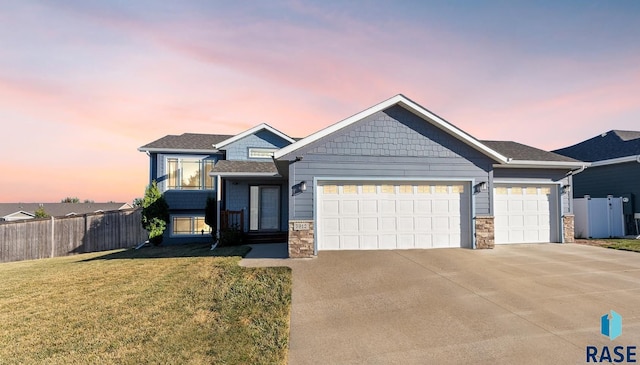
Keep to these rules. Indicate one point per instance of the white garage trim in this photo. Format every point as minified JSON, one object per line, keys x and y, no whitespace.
{"x":463,"y":238}
{"x":526,"y":212}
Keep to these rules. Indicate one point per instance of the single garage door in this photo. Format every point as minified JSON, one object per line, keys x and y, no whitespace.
{"x":525,"y":213}
{"x":393,"y":215}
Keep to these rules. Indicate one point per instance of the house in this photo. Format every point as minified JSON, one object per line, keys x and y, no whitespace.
{"x":392,"y":176}
{"x":19,"y":211}
{"x":614,"y":170}
{"x":190,"y":167}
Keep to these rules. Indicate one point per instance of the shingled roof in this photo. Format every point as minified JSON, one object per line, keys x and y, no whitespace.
{"x":519,"y":151}
{"x":229,"y":167}
{"x":60,"y":209}
{"x":607,"y":146}
{"x":186,"y":141}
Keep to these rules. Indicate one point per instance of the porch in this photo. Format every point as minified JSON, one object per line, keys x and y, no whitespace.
{"x":233,"y":219}
{"x":252,"y":198}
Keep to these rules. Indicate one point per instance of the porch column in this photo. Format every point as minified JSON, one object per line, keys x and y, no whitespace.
{"x":218,"y":203}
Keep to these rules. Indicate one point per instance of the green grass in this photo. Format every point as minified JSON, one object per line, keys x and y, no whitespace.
{"x":623,"y":244}
{"x":168,"y":305}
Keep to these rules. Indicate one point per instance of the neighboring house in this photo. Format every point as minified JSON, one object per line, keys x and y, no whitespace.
{"x":392,"y":176}
{"x":19,"y":211}
{"x":614,"y":169}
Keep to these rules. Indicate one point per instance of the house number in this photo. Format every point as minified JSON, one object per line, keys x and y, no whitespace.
{"x":300,"y":226}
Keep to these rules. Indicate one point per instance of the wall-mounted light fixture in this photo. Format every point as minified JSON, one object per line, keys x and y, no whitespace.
{"x":566,"y":189}
{"x":479,"y":187}
{"x":298,"y":188}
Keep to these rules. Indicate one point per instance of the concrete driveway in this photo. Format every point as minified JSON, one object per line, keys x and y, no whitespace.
{"x":515,"y":304}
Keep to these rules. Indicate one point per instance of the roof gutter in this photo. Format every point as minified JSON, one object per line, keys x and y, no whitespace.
{"x":614,"y":161}
{"x":542,"y":164}
{"x":174,"y":150}
{"x":245,"y":174}
{"x":575,"y":172}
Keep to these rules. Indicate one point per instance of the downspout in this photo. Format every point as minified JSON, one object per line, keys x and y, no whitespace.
{"x":218,"y":202}
{"x":569,"y":176}
{"x":638,"y":159}
{"x":150,"y":166}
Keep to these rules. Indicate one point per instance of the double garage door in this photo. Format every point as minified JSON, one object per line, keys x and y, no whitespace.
{"x":373,"y":215}
{"x":393,"y":215}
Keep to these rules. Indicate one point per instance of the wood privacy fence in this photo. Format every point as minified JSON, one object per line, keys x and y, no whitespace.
{"x":51,"y":237}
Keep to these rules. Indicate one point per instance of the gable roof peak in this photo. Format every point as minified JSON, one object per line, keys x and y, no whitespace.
{"x":411,"y":106}
{"x":250,"y":131}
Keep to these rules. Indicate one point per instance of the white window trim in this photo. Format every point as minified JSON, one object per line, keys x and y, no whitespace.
{"x":166,"y":159}
{"x":171,"y":234}
{"x":263,"y":153}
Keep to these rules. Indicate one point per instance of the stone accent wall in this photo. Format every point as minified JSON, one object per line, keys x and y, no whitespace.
{"x":485,"y":233}
{"x":568,"y":228}
{"x":301,"y":241}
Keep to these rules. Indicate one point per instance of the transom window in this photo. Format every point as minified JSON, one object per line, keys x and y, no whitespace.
{"x":261,"y":152}
{"x":189,"y":226}
{"x":190,"y":174}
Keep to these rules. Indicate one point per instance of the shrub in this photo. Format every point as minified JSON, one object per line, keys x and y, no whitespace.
{"x":155,"y":213}
{"x":231,"y":236}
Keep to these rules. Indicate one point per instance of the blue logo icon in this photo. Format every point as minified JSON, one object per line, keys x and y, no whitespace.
{"x":611,"y":325}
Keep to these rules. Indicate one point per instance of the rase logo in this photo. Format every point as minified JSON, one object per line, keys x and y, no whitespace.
{"x":611,"y":326}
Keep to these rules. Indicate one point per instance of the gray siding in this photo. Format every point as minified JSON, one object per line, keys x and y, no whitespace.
{"x":236,"y":197}
{"x":390,"y":144}
{"x":538,"y":176}
{"x":239,"y":150}
{"x":613,"y":180}
{"x":187,"y":199}
{"x":541,"y":175}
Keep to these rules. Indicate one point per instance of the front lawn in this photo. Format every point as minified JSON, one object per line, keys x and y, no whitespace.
{"x":623,"y":244}
{"x":617,"y":244}
{"x":175,"y":305}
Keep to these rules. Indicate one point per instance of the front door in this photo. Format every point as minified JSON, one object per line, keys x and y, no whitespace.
{"x":264,"y":208}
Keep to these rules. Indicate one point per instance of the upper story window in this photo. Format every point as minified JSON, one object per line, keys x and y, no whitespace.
{"x":261,"y":152}
{"x":189,"y":173}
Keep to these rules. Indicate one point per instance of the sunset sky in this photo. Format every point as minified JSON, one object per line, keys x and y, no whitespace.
{"x":83,"y":83}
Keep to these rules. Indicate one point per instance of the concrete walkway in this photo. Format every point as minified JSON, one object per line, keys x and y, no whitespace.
{"x":515,"y":304}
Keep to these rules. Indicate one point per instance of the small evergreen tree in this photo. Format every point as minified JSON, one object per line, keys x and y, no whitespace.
{"x":40,"y":213}
{"x":70,"y":200}
{"x":155,"y":213}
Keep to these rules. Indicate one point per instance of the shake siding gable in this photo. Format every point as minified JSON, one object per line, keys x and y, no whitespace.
{"x":239,"y":150}
{"x":394,"y":143}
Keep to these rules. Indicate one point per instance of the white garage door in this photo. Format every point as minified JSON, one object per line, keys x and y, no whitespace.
{"x":524,"y":213}
{"x":392,"y":215}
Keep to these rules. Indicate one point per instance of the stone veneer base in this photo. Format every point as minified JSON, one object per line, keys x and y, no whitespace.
{"x":568,"y":228}
{"x":301,"y":242}
{"x":485,"y":232}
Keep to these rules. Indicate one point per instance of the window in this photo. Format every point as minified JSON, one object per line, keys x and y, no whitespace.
{"x":368,"y":189}
{"x":189,"y":173}
{"x":442,"y":189}
{"x":406,"y":189}
{"x":349,"y":189}
{"x":261,"y":152}
{"x":189,"y":226}
{"x":330,"y":189}
{"x":387,"y":189}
